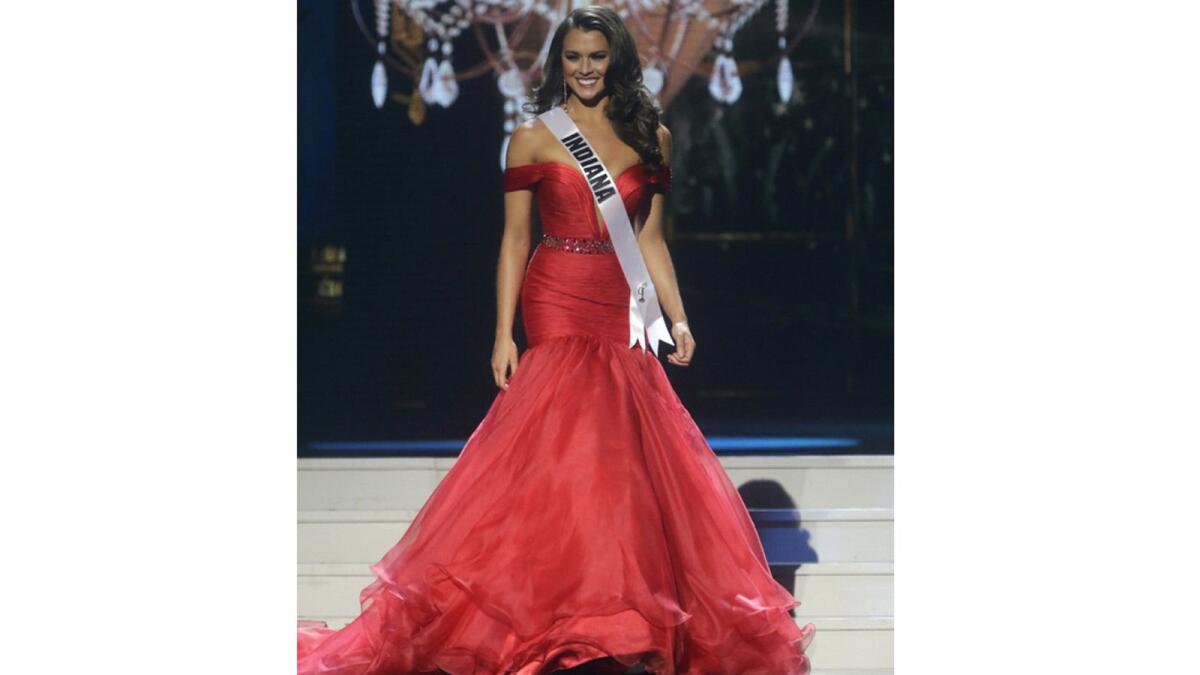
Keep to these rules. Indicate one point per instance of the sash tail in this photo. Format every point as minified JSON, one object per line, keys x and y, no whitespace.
{"x":637,"y":333}
{"x":656,"y":324}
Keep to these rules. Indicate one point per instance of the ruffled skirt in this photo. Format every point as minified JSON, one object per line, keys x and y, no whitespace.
{"x":585,"y":518}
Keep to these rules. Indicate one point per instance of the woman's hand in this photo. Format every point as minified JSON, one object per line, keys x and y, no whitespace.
{"x":504,"y":357}
{"x":685,"y":344}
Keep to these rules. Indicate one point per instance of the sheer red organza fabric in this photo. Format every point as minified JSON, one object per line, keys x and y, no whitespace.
{"x":585,"y":518}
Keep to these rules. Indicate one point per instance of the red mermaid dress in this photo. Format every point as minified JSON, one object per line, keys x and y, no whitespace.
{"x":586,"y":517}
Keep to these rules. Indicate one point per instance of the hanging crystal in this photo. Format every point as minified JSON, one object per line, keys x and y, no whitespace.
{"x":379,"y":84}
{"x":717,"y":86}
{"x":379,"y":81}
{"x":734,"y":79}
{"x":725,"y":85}
{"x":785,"y":80}
{"x":428,"y":76}
{"x":445,"y":86}
{"x":511,"y":84}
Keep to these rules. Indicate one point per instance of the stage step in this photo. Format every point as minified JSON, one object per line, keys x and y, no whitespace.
{"x":405,"y":483}
{"x":829,"y":535}
{"x":826,"y":524}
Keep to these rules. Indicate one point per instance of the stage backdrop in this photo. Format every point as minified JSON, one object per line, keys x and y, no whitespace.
{"x":780,"y":225}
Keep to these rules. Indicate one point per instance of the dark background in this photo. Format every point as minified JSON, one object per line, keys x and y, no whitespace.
{"x":780,"y":224}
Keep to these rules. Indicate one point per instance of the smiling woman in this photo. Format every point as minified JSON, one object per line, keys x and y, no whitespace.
{"x":598,"y":61}
{"x":586,"y":523}
{"x":585,"y":57}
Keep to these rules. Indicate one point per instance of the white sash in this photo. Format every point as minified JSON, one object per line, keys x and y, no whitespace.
{"x":645,"y":316}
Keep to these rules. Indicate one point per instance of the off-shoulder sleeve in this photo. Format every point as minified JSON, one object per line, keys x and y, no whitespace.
{"x":521,"y":177}
{"x":661,"y":178}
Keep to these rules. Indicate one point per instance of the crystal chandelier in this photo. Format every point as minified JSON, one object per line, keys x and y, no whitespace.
{"x":416,"y":39}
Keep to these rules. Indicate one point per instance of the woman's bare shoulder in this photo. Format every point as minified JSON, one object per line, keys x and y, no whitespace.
{"x":664,"y":141}
{"x":526,"y":144}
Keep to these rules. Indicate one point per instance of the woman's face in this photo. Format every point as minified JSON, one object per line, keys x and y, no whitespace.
{"x":585,"y":58}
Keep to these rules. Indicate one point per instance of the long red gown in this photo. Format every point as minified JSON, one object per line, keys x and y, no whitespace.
{"x":586,"y":517}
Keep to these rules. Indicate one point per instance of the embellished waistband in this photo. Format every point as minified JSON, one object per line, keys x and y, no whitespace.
{"x":577,"y":245}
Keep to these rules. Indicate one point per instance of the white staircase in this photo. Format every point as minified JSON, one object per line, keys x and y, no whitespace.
{"x":353,"y":510}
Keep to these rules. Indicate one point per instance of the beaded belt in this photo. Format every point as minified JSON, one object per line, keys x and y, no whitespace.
{"x":577,"y":245}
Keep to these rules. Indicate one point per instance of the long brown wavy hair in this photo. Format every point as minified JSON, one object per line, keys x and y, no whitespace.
{"x":632,"y":111}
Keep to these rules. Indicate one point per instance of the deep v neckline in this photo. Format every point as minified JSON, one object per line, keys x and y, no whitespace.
{"x":601,"y":226}
{"x":577,"y":170}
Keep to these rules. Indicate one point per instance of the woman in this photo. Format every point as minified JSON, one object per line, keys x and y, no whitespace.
{"x":586,"y":525}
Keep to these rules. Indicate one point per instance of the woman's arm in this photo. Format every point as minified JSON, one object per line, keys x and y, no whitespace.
{"x":514,"y":256}
{"x":662,"y":271}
